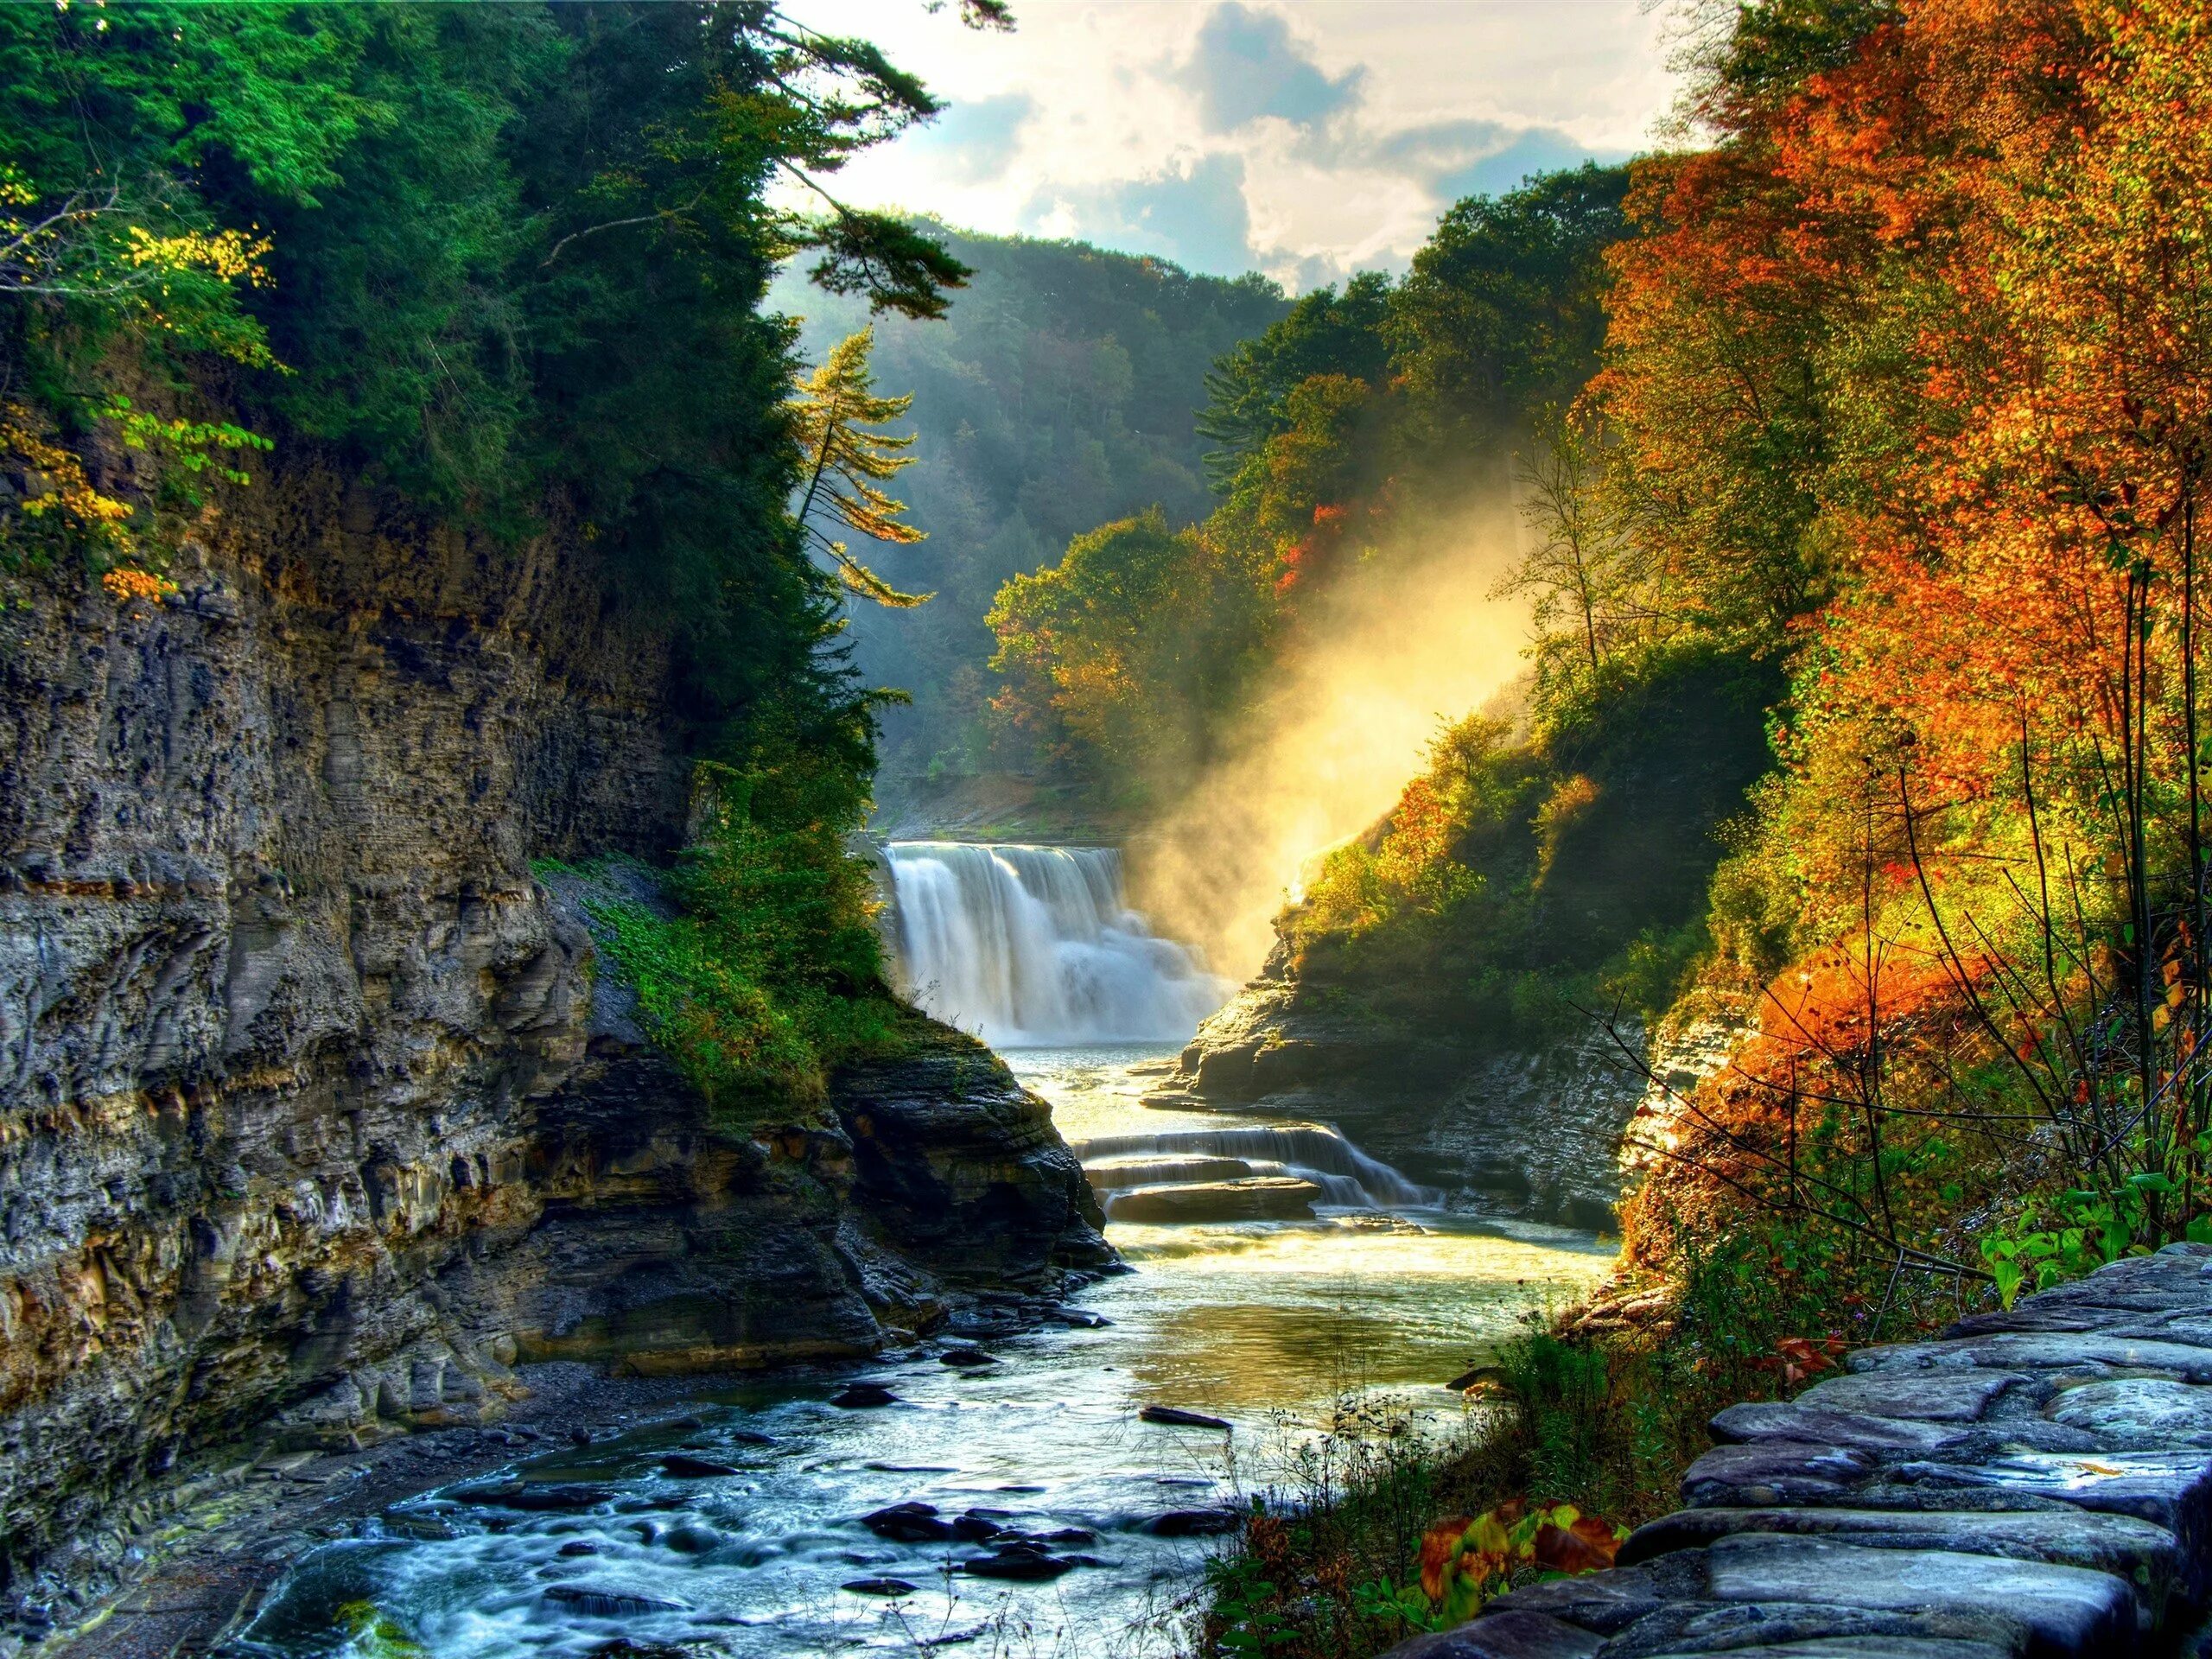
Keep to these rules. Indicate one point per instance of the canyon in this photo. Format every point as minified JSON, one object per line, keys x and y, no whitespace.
{"x":318,"y":1113}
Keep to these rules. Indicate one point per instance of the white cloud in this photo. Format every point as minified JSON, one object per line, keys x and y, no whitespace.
{"x":1304,"y":137}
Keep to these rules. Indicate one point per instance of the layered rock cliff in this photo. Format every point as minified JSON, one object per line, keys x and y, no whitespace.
{"x":1532,"y":1130}
{"x":316,"y":1115}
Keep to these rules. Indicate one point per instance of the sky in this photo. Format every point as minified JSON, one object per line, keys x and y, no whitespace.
{"x":1304,"y":138}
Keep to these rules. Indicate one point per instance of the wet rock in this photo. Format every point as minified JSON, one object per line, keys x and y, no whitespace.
{"x":1018,"y":1563}
{"x":1194,"y":1524}
{"x":1080,"y":1319}
{"x":966,"y":1358}
{"x":909,"y":1524}
{"x":579,"y":1547}
{"x":1176,"y":1417}
{"x":752,"y":1437}
{"x":691,"y":1540}
{"x":682,"y":1465}
{"x":864,"y":1396}
{"x":560,"y":1498}
{"x":2065,"y":1610}
{"x":1259,"y":1197}
{"x":974,"y":1529}
{"x":1604,"y":1602}
{"x":880,"y":1587}
{"x":593,"y":1603}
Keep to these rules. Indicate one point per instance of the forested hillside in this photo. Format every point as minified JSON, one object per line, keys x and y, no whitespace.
{"x":1060,"y":389}
{"x":1897,"y":446}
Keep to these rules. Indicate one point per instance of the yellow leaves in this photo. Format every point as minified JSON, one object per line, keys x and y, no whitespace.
{"x":125,"y":583}
{"x":59,"y":485}
{"x":231,"y":255}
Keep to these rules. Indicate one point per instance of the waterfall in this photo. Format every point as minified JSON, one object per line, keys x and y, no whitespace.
{"x":1310,"y":1151}
{"x":1031,"y":946}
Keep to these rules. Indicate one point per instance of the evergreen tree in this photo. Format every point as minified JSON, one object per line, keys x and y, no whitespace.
{"x":847,"y":461}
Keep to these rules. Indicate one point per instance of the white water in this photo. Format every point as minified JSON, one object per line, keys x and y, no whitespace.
{"x":1033,"y":946}
{"x":1312,"y":1151}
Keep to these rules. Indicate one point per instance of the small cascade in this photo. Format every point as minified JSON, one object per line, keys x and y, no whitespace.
{"x":1033,"y":946}
{"x":1310,"y":1153}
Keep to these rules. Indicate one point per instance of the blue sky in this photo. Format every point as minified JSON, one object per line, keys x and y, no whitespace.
{"x":1306,"y":138}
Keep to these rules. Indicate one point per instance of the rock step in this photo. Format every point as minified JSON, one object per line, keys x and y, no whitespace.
{"x":2036,"y":1484}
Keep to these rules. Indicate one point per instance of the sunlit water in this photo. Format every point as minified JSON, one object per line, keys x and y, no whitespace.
{"x":1264,"y":1323}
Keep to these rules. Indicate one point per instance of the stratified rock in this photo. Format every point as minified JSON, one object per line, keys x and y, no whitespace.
{"x":325,"y":1109}
{"x":2142,"y":1555}
{"x":2064,"y":1609}
{"x":1932,"y":1396}
{"x":2138,"y":1412}
{"x":1768,"y":1420}
{"x":1775,"y":1471}
{"x":1511,"y":1635}
{"x":1259,"y":1197}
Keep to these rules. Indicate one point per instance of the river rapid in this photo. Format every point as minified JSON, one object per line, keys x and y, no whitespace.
{"x":1268,"y":1324}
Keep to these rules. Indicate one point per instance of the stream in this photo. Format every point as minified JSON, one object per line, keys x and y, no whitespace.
{"x":1267,"y":1324}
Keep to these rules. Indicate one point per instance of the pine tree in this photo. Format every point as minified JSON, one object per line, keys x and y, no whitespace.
{"x":847,"y":462}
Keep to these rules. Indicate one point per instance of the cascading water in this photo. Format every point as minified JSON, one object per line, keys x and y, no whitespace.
{"x":1308,"y":1151}
{"x":1035,"y":945}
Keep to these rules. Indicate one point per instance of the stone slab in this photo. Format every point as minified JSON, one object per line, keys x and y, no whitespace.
{"x":1928,"y":1396}
{"x":2172,"y":1490}
{"x":2065,"y":1610}
{"x":2091,"y":1353}
{"x":2138,"y":1412}
{"x":1509,"y":1635}
{"x":2146,"y":1556}
{"x":1870,"y":1647}
{"x":1710,"y":1627}
{"x":1775,"y":1471}
{"x":1772,"y":1419}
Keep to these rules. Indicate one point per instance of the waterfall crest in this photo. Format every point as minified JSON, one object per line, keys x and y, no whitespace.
{"x":1032,"y":946}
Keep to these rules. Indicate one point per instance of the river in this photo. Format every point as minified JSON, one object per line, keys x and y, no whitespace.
{"x":1268,"y":1324}
{"x":1372,"y":1301}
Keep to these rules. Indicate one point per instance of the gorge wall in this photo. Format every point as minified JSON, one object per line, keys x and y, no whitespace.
{"x":316,"y":1118}
{"x":1530,"y":1129}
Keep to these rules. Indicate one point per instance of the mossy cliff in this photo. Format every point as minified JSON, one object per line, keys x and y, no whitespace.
{"x":317,"y":1112}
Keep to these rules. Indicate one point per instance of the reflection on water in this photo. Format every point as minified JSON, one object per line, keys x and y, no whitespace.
{"x":1260,"y":1323}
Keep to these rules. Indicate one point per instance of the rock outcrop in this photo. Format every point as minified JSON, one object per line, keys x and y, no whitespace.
{"x":314,"y":1115}
{"x":2038,"y":1482}
{"x":1530,"y":1132}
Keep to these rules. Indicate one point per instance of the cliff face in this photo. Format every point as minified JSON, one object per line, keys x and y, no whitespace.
{"x":1534,"y":1132}
{"x":313,"y":1119}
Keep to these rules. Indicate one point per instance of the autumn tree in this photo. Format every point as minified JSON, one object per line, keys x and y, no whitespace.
{"x":833,"y":418}
{"x":1585,"y":574}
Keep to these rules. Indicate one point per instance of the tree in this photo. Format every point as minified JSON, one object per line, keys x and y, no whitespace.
{"x":831,"y":418}
{"x":1584,"y":570}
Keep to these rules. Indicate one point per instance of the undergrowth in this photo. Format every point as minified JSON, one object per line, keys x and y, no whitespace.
{"x":1578,"y":1434}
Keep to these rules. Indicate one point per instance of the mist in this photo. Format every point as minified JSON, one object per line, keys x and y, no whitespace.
{"x":1407,"y":642}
